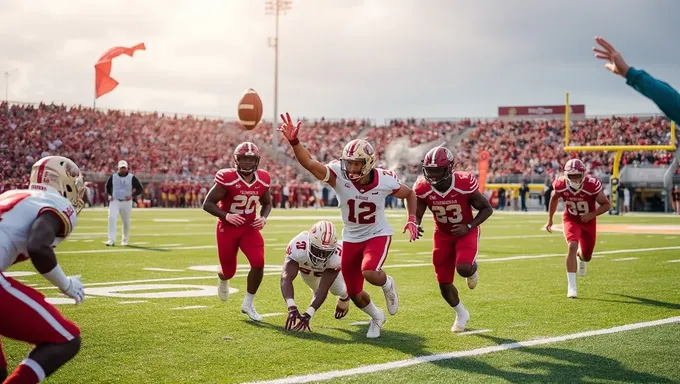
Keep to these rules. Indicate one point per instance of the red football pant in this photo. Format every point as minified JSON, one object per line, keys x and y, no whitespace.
{"x":369,"y":255}
{"x":583,"y":233}
{"x":230,"y":239}
{"x":27,"y":317}
{"x":448,"y":251}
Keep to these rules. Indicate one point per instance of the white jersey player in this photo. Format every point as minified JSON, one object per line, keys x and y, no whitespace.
{"x":361,"y":190}
{"x":32,"y":223}
{"x":316,"y":256}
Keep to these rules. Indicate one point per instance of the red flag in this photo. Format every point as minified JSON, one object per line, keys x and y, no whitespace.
{"x":103,"y":82}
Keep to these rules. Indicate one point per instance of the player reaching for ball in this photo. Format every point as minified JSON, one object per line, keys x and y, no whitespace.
{"x":361,"y":190}
{"x":580,"y":193}
{"x":451,"y":196}
{"x":233,"y":200}
{"x":315,"y":255}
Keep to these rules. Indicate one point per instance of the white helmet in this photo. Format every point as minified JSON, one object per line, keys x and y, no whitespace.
{"x":61,"y":174}
{"x":322,"y":242}
{"x":358,"y":150}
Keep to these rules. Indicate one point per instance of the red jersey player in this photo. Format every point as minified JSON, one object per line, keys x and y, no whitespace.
{"x":233,"y":200}
{"x":451,"y":196}
{"x":361,"y":190}
{"x":580,"y":193}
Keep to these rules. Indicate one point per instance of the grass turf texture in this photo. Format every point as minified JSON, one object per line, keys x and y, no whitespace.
{"x":517,"y":299}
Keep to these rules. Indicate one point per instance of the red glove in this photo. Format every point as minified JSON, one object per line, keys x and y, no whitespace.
{"x":289,"y":130}
{"x":415,"y":230}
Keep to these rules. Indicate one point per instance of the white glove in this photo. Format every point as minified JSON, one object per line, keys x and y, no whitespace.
{"x":75,"y":289}
{"x":235,"y":219}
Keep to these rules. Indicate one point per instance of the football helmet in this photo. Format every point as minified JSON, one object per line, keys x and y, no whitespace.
{"x":246,"y":158}
{"x":438,"y":165}
{"x":61,"y":174}
{"x":357,"y":150}
{"x":323,"y":242}
{"x":575,"y":172}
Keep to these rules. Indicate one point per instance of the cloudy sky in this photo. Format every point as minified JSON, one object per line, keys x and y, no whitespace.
{"x":374,"y":58}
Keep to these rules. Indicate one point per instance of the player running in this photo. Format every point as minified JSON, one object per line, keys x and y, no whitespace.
{"x":316,"y":255}
{"x":32,"y":222}
{"x":361,"y":191}
{"x":233,"y":200}
{"x":450,"y":196}
{"x":580,"y":193}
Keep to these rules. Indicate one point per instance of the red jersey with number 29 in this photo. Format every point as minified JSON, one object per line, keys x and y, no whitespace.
{"x":578,"y":202}
{"x":242,"y":197}
{"x":450,"y":207}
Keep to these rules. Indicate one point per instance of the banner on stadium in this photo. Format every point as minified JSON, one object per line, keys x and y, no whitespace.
{"x":577,"y":112}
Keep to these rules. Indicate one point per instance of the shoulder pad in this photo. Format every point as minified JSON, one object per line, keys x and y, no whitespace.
{"x":226,"y":176}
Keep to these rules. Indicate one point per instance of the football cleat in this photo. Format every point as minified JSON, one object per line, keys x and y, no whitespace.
{"x":222,"y":288}
{"x":109,"y":243}
{"x":582,"y":267}
{"x":571,"y":293}
{"x":459,"y":324}
{"x":251,"y":312}
{"x":124,"y":243}
{"x":392,"y":298}
{"x":472,"y":280}
{"x":375,"y":326}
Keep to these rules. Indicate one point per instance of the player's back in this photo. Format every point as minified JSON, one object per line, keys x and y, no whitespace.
{"x":363,"y":206}
{"x":298,"y":251}
{"x":578,"y":202}
{"x":19,"y":209}
{"x":242,"y":197}
{"x":452,"y":206}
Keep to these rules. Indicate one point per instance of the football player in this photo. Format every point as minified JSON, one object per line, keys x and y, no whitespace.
{"x":580,"y":193}
{"x":315,"y":255}
{"x":233,"y":200}
{"x":361,"y":191}
{"x":450,"y":196}
{"x":32,"y":223}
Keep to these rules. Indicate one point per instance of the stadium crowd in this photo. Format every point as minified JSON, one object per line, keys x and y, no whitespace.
{"x":183,"y":152}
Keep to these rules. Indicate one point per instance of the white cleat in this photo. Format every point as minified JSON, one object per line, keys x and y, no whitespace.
{"x":459,"y":324}
{"x":472,"y":281}
{"x":375,"y":326}
{"x":109,"y":243}
{"x":582,"y":267}
{"x":124,"y":243}
{"x":222,"y":288}
{"x":251,"y":312}
{"x":571,"y":293}
{"x":392,"y":298}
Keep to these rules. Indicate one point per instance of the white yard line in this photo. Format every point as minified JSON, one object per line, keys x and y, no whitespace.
{"x":626,"y":259}
{"x":467,"y":353}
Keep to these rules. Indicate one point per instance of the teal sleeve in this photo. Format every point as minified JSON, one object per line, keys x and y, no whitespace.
{"x":662,"y":94}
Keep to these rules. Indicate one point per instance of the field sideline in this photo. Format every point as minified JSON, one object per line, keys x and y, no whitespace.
{"x":153,"y":316}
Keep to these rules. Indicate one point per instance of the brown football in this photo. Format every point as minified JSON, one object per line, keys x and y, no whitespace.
{"x":250,"y":109}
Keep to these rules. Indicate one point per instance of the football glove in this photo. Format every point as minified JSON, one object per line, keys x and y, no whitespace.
{"x":235,"y":219}
{"x":259,"y":223}
{"x":292,"y":318}
{"x":75,"y":289}
{"x":303,"y":323}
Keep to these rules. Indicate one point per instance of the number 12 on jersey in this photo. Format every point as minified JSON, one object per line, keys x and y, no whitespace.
{"x":362,"y":212}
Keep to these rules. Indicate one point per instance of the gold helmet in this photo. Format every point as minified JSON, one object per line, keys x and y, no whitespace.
{"x":357,"y":150}
{"x":323,"y":241}
{"x":61,"y":174}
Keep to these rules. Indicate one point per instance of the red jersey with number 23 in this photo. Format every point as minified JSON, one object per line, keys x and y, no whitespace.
{"x":242,"y":197}
{"x":450,"y":207}
{"x":578,"y":202}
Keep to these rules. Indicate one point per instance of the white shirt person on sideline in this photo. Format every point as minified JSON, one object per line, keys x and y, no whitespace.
{"x":121,"y":188}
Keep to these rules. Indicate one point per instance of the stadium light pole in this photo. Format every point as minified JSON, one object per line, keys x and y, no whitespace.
{"x":7,"y":74}
{"x":276,"y":8}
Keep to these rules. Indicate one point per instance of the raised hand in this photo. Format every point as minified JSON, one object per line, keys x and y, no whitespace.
{"x":606,"y":51}
{"x":288,"y":128}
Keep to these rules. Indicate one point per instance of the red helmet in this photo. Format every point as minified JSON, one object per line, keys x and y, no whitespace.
{"x":438,"y":165}
{"x":575,"y":171}
{"x":246,"y":157}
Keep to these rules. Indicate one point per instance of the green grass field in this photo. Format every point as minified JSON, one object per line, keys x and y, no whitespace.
{"x":132,"y":335}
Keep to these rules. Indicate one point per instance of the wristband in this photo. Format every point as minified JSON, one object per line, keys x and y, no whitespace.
{"x":290,"y":303}
{"x":57,"y":277}
{"x":310,"y":311}
{"x":294,"y":142}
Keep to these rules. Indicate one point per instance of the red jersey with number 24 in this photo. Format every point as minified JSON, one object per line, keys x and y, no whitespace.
{"x":242,"y":197}
{"x":450,"y":207}
{"x":578,"y":202}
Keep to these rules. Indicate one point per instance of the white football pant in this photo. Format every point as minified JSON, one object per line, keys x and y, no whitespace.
{"x":124,"y":208}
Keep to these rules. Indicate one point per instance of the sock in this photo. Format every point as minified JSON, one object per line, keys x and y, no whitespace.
{"x":387,"y":285}
{"x":372,"y":311}
{"x":460,"y":309}
{"x":571,"y":279}
{"x":249,"y":299}
{"x":28,"y":372}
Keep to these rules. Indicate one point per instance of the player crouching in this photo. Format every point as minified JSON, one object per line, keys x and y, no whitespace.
{"x":580,"y":193}
{"x":451,"y":196}
{"x":316,"y":255}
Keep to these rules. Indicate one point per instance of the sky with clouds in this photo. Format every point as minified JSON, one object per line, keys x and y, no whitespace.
{"x":339,"y":58}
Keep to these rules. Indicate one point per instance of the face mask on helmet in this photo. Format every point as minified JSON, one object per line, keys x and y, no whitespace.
{"x":247,"y":164}
{"x":354,"y":169}
{"x":575,"y":180}
{"x":436,"y":175}
{"x":319,"y":255}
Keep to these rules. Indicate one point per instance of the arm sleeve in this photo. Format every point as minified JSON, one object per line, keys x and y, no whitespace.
{"x":109,"y":186}
{"x":137,"y":186}
{"x":662,"y":94}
